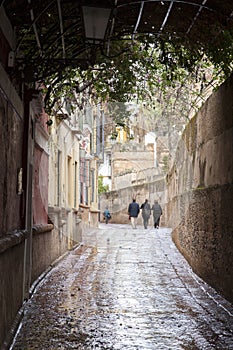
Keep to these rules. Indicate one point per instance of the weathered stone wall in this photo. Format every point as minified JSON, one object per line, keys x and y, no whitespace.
{"x":137,"y":177}
{"x":11,"y":204}
{"x":200,"y":192}
{"x":47,"y":246}
{"x":132,"y":160}
{"x":11,"y":272}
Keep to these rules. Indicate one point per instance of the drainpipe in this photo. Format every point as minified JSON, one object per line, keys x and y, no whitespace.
{"x":27,"y":220}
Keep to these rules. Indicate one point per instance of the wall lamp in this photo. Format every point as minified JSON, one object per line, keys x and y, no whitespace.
{"x":49,"y":122}
{"x":95,"y":23}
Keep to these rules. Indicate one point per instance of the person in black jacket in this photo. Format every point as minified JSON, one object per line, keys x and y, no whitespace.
{"x":133,"y":211}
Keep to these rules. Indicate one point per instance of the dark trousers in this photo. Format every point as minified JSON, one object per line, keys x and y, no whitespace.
{"x":156,"y":222}
{"x":145,"y":222}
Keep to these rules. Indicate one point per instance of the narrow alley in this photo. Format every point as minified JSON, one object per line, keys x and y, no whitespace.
{"x":125,"y":289}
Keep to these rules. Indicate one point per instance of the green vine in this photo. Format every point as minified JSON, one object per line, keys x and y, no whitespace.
{"x":137,"y":69}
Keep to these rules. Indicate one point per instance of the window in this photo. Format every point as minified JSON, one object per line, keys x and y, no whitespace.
{"x":69,"y":178}
{"x":75,"y":183}
{"x":58,"y":177}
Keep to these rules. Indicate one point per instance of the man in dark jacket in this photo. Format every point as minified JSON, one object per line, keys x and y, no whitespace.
{"x":133,"y":211}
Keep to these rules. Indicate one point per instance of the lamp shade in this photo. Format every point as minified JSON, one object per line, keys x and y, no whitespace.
{"x":95,"y":22}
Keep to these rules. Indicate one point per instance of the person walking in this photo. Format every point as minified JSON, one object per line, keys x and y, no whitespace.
{"x":107,"y":215}
{"x":133,"y":211}
{"x":146,"y":211}
{"x":157,"y":212}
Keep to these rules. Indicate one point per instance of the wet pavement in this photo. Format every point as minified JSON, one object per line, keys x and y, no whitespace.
{"x":125,"y":289}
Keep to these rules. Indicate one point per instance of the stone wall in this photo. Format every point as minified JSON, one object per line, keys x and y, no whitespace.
{"x":118,"y":201}
{"x":200,"y":192}
{"x":11,"y":203}
{"x":47,"y":245}
{"x":11,"y":272}
{"x":132,"y":160}
{"x":137,"y":177}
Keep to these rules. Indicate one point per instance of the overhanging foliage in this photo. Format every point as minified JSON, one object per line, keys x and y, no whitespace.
{"x":140,"y":67}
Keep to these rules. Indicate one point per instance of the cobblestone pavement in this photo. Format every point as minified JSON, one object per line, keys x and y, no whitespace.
{"x":125,"y":289}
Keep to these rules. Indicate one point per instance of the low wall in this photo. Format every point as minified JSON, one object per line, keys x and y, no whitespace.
{"x":47,"y":246}
{"x":89,"y":217}
{"x":118,"y":201}
{"x":11,"y":272}
{"x":200,"y":192}
{"x":94,"y":217}
{"x":68,"y":225}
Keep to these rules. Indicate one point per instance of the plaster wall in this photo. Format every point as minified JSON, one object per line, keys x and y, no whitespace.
{"x":40,"y":196}
{"x":200,"y":191}
{"x":64,"y":182}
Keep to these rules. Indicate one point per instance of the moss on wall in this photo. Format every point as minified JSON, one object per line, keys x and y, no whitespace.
{"x":200,"y":209}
